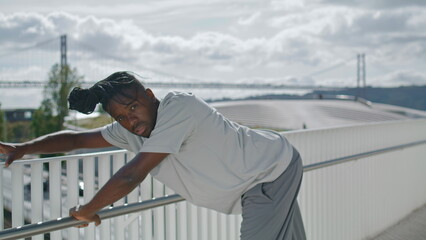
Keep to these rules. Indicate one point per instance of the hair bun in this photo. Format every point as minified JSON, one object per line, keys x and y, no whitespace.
{"x":83,"y":100}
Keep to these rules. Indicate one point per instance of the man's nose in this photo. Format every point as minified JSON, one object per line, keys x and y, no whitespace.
{"x":132,"y":119}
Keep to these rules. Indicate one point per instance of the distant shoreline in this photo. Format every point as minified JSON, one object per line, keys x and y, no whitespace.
{"x":405,"y":96}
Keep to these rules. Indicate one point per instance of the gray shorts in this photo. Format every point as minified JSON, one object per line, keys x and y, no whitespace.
{"x":270,"y":210}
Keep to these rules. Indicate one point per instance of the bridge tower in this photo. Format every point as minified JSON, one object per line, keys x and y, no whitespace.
{"x":63,"y":50}
{"x":361,"y":75}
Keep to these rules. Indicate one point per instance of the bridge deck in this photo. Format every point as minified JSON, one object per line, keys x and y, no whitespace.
{"x":413,"y":227}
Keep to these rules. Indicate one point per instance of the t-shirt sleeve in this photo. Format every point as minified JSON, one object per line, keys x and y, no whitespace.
{"x":114,"y":133}
{"x":174,"y":125}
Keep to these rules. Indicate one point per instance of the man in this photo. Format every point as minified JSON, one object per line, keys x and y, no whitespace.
{"x":189,"y":146}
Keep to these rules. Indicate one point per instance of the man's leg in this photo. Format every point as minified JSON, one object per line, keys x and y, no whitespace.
{"x":270,"y":210}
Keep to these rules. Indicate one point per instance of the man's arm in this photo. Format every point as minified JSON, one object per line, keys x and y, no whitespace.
{"x":62,"y":141}
{"x":122,"y":183}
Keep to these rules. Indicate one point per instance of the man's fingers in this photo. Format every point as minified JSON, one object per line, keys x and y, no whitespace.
{"x":4,"y":157}
{"x":97,"y":220}
{"x":9,"y":161}
{"x":74,"y":212}
{"x":83,"y":225}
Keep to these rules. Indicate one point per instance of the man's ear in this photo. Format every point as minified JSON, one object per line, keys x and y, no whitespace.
{"x":150,"y":94}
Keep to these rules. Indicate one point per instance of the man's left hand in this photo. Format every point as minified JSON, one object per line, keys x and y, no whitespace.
{"x":82,"y":213}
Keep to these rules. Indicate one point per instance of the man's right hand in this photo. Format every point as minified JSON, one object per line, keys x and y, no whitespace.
{"x":58,"y":142}
{"x":11,"y":152}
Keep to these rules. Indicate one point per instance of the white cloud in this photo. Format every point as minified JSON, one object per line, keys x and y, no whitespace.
{"x":400,"y":78}
{"x":23,"y":74}
{"x":299,"y":38}
{"x":289,"y":5}
{"x":376,"y":4}
{"x":372,"y":28}
{"x":23,"y":29}
{"x":250,"y":19}
{"x":278,"y":42}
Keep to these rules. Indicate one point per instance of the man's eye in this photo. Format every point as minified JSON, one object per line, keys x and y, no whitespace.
{"x":133,"y":107}
{"x":119,"y":119}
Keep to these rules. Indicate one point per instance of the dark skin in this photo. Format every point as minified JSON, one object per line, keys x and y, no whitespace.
{"x":58,"y":142}
{"x":138,"y":115}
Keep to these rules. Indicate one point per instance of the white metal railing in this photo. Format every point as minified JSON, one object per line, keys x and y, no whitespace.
{"x":179,"y":221}
{"x":352,"y":200}
{"x":359,"y":199}
{"x":62,"y":223}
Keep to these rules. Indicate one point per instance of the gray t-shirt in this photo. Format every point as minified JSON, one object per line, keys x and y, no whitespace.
{"x":212,"y":160}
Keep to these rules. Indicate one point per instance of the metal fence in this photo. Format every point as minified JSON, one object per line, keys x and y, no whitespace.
{"x":358,"y":181}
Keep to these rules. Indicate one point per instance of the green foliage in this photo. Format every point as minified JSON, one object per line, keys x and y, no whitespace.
{"x":93,"y":122}
{"x":44,"y":122}
{"x":14,"y":131}
{"x":61,"y":81}
{"x":19,"y":131}
{"x":3,"y":133}
{"x":49,"y":117}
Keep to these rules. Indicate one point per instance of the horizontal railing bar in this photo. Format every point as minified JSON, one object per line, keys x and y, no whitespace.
{"x":66,"y":222}
{"x":61,"y":223}
{"x":336,"y":161}
{"x":66,"y":157}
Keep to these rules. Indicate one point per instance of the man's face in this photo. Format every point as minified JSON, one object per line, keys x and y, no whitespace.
{"x":137,"y":114}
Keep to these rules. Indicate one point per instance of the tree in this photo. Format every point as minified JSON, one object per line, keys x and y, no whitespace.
{"x":62,"y":79}
{"x":49,"y":117}
{"x":3,"y":129}
{"x":43,"y":120}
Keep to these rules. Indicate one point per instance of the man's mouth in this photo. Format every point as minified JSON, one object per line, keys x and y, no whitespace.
{"x":139,"y":129}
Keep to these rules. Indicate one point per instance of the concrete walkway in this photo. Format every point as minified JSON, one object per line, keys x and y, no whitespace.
{"x":298,"y":114}
{"x":413,"y":227}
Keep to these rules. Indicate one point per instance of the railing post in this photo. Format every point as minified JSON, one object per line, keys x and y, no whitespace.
{"x":89,"y":191}
{"x":170,"y":218}
{"x":159,"y":221}
{"x":182,"y":222}
{"x":133,"y":227}
{"x":221,"y":222}
{"x":73,"y":191}
{"x":192,"y":221}
{"x":1,"y":198}
{"x":104,"y":172}
{"x":229,"y":228}
{"x":212,"y":223}
{"x":55,"y":194}
{"x":118,"y":162}
{"x":17,"y":195}
{"x":37,"y":195}
{"x":146,"y":193}
{"x":202,"y":223}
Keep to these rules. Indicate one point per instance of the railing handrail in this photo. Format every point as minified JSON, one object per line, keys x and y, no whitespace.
{"x":66,"y":157}
{"x":340,"y":160}
{"x":66,"y":222}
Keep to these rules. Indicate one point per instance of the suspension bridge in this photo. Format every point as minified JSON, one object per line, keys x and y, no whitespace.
{"x":44,"y":54}
{"x":42,"y":84}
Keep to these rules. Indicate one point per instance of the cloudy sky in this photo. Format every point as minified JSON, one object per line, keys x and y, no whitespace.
{"x":313,"y":42}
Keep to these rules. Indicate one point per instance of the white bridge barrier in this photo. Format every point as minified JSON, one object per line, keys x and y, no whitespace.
{"x":358,"y":181}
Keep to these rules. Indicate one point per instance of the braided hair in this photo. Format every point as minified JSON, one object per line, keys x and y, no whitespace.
{"x":85,"y":100}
